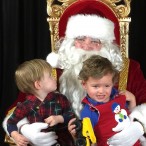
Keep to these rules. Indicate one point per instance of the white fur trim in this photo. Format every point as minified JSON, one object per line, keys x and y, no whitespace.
{"x":143,"y":141}
{"x":19,"y":124}
{"x":90,"y":25}
{"x":53,"y":59}
{"x":5,"y":123}
{"x":139,"y":112}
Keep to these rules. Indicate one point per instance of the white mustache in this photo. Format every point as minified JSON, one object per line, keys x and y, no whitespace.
{"x":75,"y":55}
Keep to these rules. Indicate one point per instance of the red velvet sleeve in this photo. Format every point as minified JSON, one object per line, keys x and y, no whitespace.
{"x":136,"y":82}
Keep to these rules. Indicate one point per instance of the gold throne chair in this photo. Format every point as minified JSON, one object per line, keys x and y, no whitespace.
{"x":116,"y":10}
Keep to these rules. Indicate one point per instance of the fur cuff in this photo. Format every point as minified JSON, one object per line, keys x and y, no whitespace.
{"x":5,"y":123}
{"x":19,"y":124}
{"x":53,"y":59}
{"x":139,"y":113}
{"x":142,"y":141}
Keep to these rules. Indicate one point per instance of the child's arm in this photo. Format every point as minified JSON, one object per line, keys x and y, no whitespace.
{"x":54,"y":120}
{"x":19,"y":139}
{"x":129,"y":97}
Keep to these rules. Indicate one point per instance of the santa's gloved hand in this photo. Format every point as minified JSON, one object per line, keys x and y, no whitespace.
{"x":128,"y":136}
{"x":53,"y":59}
{"x":38,"y":138}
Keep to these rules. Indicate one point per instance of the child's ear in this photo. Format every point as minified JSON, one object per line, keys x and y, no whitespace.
{"x":37,"y":84}
{"x":83,"y":84}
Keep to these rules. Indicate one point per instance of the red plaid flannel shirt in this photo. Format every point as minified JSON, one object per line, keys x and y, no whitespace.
{"x":36,"y":110}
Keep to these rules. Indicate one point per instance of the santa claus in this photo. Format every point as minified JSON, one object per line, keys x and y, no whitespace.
{"x":87,"y":35}
{"x":77,"y":46}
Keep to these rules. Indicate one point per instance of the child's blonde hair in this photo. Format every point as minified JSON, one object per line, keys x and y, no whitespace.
{"x":29,"y":72}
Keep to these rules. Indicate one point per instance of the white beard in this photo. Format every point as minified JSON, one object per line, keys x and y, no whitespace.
{"x":71,"y":59}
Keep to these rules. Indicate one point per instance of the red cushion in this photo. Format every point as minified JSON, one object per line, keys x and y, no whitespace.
{"x":88,"y":7}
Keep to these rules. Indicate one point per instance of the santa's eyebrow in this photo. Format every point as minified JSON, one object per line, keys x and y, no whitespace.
{"x":80,"y":37}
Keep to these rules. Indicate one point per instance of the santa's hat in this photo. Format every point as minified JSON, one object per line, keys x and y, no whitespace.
{"x":90,"y":25}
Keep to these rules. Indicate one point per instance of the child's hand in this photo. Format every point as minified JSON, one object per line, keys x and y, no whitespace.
{"x":19,"y":139}
{"x":72,"y":127}
{"x":129,"y":97}
{"x":54,"y":120}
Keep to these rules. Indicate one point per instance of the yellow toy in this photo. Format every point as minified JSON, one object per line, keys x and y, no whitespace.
{"x":85,"y":133}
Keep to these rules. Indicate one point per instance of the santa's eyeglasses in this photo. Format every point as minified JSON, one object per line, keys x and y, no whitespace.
{"x":83,"y":39}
